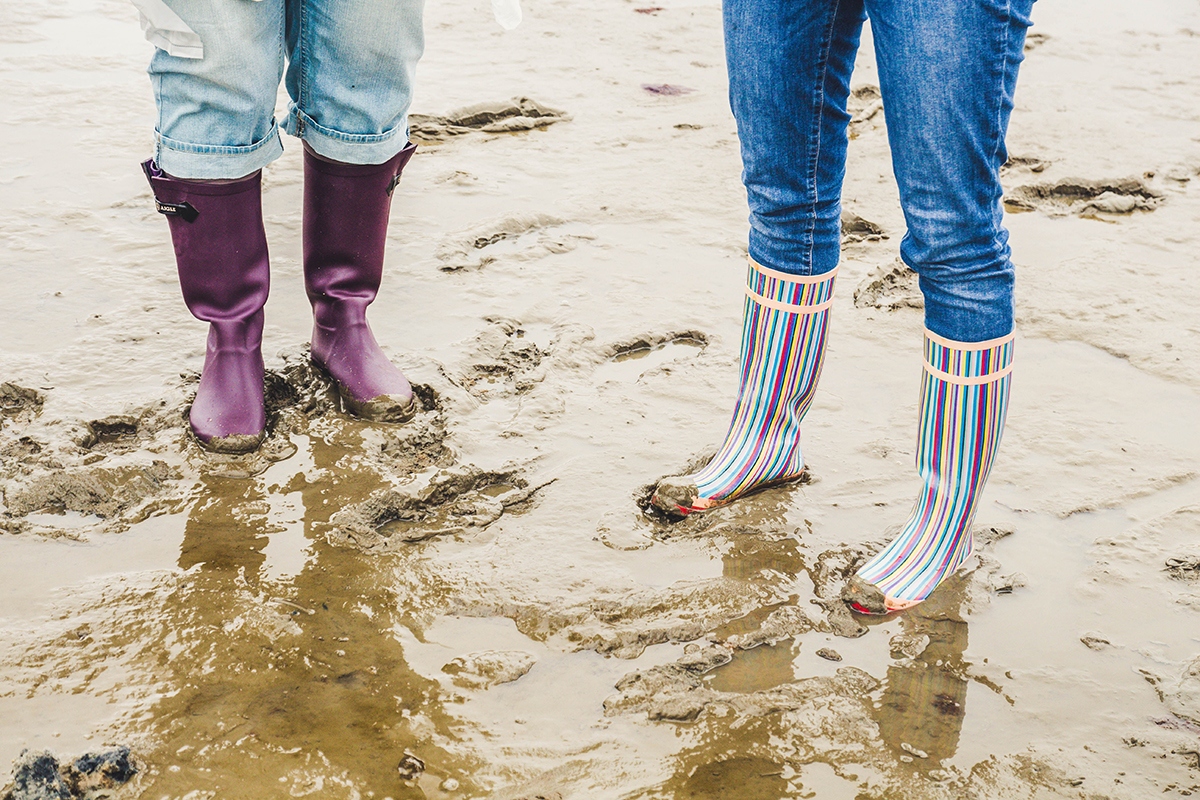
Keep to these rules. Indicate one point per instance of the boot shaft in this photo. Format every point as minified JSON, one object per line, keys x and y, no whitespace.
{"x":346,"y":209}
{"x":220,"y":243}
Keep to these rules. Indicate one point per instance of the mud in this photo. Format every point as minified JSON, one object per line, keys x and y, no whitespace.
{"x":857,"y":229}
{"x":478,"y":603}
{"x":504,"y":116}
{"x":1077,"y":196}
{"x":889,"y":287}
{"x":528,"y":237}
{"x":489,"y":668}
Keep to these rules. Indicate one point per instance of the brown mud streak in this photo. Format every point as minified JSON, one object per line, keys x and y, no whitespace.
{"x":1083,"y":197}
{"x":501,"y":116}
{"x":117,"y":470}
{"x":453,"y":501}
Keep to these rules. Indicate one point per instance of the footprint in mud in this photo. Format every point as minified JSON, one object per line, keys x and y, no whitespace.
{"x":1034,"y":40}
{"x":631,"y":360}
{"x":115,"y":434}
{"x":118,"y":496}
{"x":678,"y":692}
{"x":864,"y":104}
{"x":501,"y":116}
{"x":505,"y":361}
{"x":857,"y":229}
{"x":72,"y":477}
{"x":77,"y":477}
{"x":489,"y":668}
{"x":449,"y":502}
{"x":889,"y":287}
{"x":522,"y":237}
{"x":1085,"y":198}
{"x":17,"y":401}
{"x":1024,"y":164}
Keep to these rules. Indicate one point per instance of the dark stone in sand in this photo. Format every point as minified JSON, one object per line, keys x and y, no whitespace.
{"x":410,"y":767}
{"x":36,"y":777}
{"x":39,"y":776}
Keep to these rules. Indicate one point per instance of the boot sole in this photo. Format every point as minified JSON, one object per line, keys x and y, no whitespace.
{"x":384,"y":408}
{"x":674,"y":509}
{"x":236,"y":444}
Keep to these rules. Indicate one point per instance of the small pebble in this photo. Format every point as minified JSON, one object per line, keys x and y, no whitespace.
{"x":829,"y":655}
{"x":410,"y":767}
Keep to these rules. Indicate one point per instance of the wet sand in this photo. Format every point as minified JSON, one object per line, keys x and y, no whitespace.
{"x":474,"y":605}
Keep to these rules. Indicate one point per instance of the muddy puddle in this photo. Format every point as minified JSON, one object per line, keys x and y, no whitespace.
{"x":474,"y":604}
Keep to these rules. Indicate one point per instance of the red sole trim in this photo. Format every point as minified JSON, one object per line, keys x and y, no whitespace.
{"x":866,"y":612}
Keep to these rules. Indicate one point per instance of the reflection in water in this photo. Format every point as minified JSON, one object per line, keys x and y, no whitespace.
{"x":296,"y":686}
{"x":774,"y":731}
{"x":924,"y":700}
{"x":227,"y":528}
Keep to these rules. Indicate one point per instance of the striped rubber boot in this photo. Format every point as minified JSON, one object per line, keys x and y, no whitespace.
{"x":783,"y":343}
{"x":964,"y":399}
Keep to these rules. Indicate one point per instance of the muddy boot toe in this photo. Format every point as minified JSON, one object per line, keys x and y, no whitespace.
{"x":865,"y":598}
{"x":383,"y":408}
{"x":676,"y":495}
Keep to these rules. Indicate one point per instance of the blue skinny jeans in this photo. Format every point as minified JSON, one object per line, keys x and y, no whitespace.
{"x":349,"y":75}
{"x":947,"y":71}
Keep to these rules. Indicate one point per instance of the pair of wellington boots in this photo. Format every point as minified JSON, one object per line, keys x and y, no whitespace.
{"x":221,"y":251}
{"x":964,"y":401}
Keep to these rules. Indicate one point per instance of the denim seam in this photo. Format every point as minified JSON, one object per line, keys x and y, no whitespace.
{"x":282,"y":42}
{"x":819,"y":118}
{"x":159,"y":123}
{"x":1002,"y":83}
{"x":302,"y":45}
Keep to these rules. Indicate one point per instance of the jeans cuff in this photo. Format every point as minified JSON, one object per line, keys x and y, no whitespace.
{"x":215,"y":162}
{"x":348,"y":148}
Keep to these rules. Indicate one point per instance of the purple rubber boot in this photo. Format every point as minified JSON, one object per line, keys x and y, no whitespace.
{"x":221,"y":251}
{"x":345,"y":225}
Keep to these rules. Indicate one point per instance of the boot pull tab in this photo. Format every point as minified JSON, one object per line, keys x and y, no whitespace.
{"x":401,"y":160}
{"x":185,"y":210}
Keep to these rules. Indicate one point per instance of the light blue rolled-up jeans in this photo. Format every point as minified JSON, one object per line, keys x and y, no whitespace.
{"x":947,"y":72}
{"x":349,"y":73}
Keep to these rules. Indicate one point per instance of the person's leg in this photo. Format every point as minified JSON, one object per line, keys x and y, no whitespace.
{"x":215,"y":132}
{"x":216,"y":114}
{"x":789,"y":73}
{"x":350,"y":78}
{"x":947,"y":75}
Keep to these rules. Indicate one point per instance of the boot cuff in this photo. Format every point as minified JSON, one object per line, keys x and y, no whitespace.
{"x":343,"y":170}
{"x":160,"y":180}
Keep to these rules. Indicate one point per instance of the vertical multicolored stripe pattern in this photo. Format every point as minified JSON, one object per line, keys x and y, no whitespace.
{"x":783,"y":344}
{"x":964,"y":400}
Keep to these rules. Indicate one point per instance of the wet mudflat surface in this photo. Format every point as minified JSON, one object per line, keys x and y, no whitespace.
{"x":474,"y":605}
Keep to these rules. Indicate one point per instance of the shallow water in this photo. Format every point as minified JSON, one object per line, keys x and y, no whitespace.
{"x":295,"y":623}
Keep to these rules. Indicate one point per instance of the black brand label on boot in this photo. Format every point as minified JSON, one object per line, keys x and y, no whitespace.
{"x":185,"y":210}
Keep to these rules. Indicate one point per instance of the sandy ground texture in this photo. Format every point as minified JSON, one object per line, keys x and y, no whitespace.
{"x":473,"y":604}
